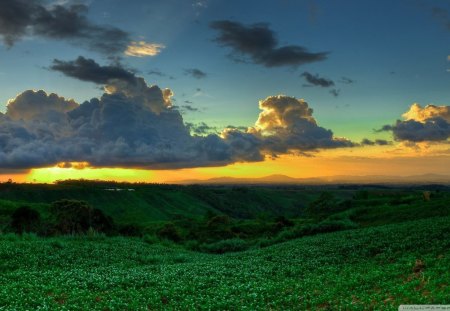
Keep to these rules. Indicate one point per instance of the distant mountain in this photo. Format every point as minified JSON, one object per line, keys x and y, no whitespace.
{"x":283,"y":179}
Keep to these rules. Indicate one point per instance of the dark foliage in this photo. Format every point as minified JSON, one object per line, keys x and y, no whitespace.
{"x":75,"y":217}
{"x":25,"y":219}
{"x":170,"y":232}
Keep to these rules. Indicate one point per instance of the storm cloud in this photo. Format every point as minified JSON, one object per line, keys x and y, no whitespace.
{"x":88,"y":70}
{"x":19,"y":18}
{"x":134,"y":124}
{"x":195,"y":73}
{"x":258,"y":44}
{"x":316,"y":80}
{"x":429,"y":123}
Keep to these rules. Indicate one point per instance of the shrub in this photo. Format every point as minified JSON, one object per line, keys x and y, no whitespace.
{"x":130,"y":230}
{"x":225,"y":246}
{"x":25,"y":219}
{"x":77,"y":217}
{"x":170,"y":231}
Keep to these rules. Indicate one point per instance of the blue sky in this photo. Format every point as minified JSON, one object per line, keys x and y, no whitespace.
{"x":378,"y":57}
{"x":395,"y":51}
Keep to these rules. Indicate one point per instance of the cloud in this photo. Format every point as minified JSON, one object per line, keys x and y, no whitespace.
{"x":201,"y":128}
{"x":19,"y":18}
{"x":189,"y":108}
{"x":258,"y":44}
{"x":376,"y":142}
{"x":143,"y":49}
{"x":135,"y":125}
{"x":335,"y":92}
{"x":286,"y":123}
{"x":346,"y":80}
{"x":316,"y":80}
{"x":420,"y":124}
{"x":115,"y":79}
{"x":196,"y":73}
{"x":32,"y":105}
{"x":88,"y":70}
{"x":156,"y":73}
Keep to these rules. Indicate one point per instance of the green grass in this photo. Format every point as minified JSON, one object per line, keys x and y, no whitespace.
{"x":349,"y":270}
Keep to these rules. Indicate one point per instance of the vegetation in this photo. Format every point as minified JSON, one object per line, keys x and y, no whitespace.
{"x":317,"y":248}
{"x":377,"y":267}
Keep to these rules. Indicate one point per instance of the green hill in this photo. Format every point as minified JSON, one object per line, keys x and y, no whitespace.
{"x":375,"y":268}
{"x":143,"y":203}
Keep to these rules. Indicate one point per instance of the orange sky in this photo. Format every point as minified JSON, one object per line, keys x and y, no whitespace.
{"x":397,"y":160}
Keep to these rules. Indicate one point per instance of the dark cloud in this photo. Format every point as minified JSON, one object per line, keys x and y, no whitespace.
{"x":429,"y":123}
{"x":240,"y":128}
{"x":346,"y":80}
{"x":201,"y":128}
{"x":316,"y":80}
{"x":196,"y":73}
{"x":258,"y":44}
{"x":435,"y":129}
{"x":190,"y":108}
{"x":376,"y":142}
{"x":135,"y":125}
{"x":32,"y":17}
{"x":335,"y":92}
{"x":156,"y":73}
{"x":186,"y":108}
{"x":88,"y":70}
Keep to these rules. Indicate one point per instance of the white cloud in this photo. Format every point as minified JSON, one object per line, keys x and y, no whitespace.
{"x":144,"y":49}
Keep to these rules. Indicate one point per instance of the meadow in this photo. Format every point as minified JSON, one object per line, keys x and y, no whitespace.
{"x":348,"y":248}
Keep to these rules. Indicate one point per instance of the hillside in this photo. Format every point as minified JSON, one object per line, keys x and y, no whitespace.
{"x":142,"y":203}
{"x":377,"y":268}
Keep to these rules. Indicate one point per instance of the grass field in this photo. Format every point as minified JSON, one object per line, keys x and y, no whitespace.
{"x":371,"y":268}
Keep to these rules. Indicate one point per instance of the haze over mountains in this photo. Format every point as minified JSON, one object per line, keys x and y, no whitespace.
{"x":368,"y":179}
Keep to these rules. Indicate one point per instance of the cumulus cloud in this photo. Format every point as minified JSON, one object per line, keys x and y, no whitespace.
{"x":417,"y":113}
{"x":258,"y":44}
{"x":19,"y":18}
{"x":143,"y":49}
{"x":116,"y":79}
{"x":429,"y":123}
{"x":316,"y":80}
{"x":286,"y":123}
{"x":135,"y":125}
{"x":196,"y":73}
{"x":31,"y":105}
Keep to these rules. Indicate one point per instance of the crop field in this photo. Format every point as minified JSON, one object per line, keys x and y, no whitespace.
{"x":369,"y":268}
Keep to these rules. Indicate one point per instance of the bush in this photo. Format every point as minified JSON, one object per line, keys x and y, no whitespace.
{"x":130,"y":230}
{"x":77,"y":217}
{"x":170,"y":232}
{"x":225,"y":246}
{"x":25,"y":219}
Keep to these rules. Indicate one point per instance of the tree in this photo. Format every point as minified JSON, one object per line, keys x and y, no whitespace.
{"x":323,"y":205}
{"x":73,"y":217}
{"x":25,"y":219}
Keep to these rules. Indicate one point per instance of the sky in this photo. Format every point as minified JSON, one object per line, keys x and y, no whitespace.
{"x":161,"y":91}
